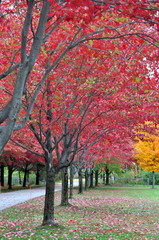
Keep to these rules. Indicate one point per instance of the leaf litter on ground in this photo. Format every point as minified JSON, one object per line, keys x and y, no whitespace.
{"x":99,"y":213}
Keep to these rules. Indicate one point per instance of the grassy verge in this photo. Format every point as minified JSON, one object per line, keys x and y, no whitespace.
{"x":113,"y":213}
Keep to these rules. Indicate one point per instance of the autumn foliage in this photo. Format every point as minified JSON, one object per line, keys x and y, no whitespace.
{"x":76,"y":74}
{"x":147,"y":150}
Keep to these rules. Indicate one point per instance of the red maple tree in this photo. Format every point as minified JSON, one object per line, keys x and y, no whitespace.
{"x":28,"y":26}
{"x":88,"y":62}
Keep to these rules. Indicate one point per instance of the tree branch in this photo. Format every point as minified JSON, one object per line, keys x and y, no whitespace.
{"x":11,"y":69}
{"x":24,"y":147}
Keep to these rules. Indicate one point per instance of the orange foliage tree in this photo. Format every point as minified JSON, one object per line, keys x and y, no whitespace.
{"x":147,"y":152}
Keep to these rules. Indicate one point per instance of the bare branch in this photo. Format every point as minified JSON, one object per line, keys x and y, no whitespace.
{"x":38,"y":39}
{"x":10,"y":70}
{"x":88,"y":37}
{"x":25,"y":29}
{"x":24,"y":147}
{"x":5,"y":111}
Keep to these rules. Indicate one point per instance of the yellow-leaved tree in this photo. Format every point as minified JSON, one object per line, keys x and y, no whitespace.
{"x":147,"y":153}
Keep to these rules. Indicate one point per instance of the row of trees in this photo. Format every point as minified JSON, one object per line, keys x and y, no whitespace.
{"x":24,"y":164}
{"x":82,"y":75}
{"x":29,"y":164}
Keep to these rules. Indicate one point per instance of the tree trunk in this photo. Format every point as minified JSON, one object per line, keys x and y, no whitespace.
{"x":37,"y":175}
{"x":25,"y":175}
{"x":26,"y":66}
{"x":50,"y":192}
{"x":103,"y":178}
{"x":153,"y":179}
{"x":96,"y":177}
{"x":107,"y":172}
{"x":64,"y":191}
{"x":86,"y":179}
{"x":2,"y":175}
{"x":10,"y":171}
{"x":80,"y":187}
{"x":50,"y":182}
{"x":20,"y":181}
{"x":28,"y":180}
{"x":71,"y":181}
{"x":91,"y":178}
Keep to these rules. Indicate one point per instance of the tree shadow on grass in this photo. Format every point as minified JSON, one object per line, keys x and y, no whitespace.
{"x":50,"y":226}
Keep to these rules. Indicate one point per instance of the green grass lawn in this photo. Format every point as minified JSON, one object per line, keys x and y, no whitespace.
{"x":101,"y":213}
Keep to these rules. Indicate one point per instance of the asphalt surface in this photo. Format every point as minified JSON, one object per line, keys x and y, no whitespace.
{"x":10,"y":199}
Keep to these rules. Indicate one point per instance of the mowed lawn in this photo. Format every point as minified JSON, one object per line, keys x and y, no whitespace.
{"x":101,"y":213}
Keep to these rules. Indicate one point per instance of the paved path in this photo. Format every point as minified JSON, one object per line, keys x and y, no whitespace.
{"x":12,"y":198}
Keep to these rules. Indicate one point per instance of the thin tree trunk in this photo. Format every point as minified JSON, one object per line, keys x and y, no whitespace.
{"x":153,"y":179}
{"x":64,"y":191}
{"x":2,"y":175}
{"x":25,"y":175}
{"x":96,"y":177}
{"x":20,"y":181}
{"x":80,"y":187}
{"x":37,"y":175}
{"x":71,"y":182}
{"x":103,"y":178}
{"x":10,"y":171}
{"x":107,"y":172}
{"x":50,"y":192}
{"x":107,"y":179}
{"x":28,"y":180}
{"x":91,"y":178}
{"x":86,"y":179}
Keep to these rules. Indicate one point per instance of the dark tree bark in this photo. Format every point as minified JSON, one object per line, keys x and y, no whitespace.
{"x":25,"y":175}
{"x":20,"y":180}
{"x":37,"y":175}
{"x":107,"y":172}
{"x":80,"y":177}
{"x":50,"y":191}
{"x":71,"y":181}
{"x":96,"y":177}
{"x":2,"y":175}
{"x":10,"y":172}
{"x":64,"y":191}
{"x":86,"y":179}
{"x":91,"y":178}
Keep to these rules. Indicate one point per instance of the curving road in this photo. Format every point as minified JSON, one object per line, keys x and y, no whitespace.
{"x":10,"y":199}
